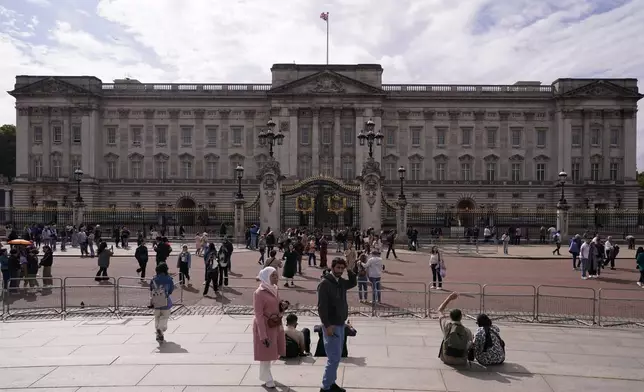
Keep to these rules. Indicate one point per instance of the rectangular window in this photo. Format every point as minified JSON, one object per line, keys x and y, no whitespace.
{"x":186,"y":136}
{"x":594,"y":171}
{"x":348,"y":137}
{"x":390,"y":171}
{"x":466,"y":171}
{"x":186,"y":169}
{"x":615,"y":174}
{"x":111,"y":170}
{"x":466,"y":137}
{"x":211,"y":136}
{"x":415,"y":171}
{"x":516,"y":172}
{"x":76,"y":164}
{"x":347,"y":170}
{"x":541,"y":171}
{"x":576,"y":137}
{"x":416,"y":135}
{"x":37,"y":134}
{"x":137,"y":136}
{"x":441,"y":135}
{"x":491,"y":138}
{"x":36,"y":166}
{"x":304,"y":168}
{"x":390,"y":137}
{"x":57,"y":167}
{"x":440,"y":171}
{"x":162,"y":170}
{"x":76,"y":134}
{"x":135,"y":169}
{"x":614,"y":137}
{"x":491,"y":171}
{"x":161,"y":135}
{"x":57,"y":132}
{"x":326,"y":169}
{"x":326,"y":135}
{"x":211,"y":170}
{"x":576,"y":172}
{"x":111,"y":136}
{"x":305,"y":136}
{"x":595,"y":137}
{"x":541,"y":137}
{"x":516,"y":138}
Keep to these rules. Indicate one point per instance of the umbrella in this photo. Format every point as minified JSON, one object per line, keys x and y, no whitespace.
{"x":19,"y":242}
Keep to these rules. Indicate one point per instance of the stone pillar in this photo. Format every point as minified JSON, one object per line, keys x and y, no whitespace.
{"x":338,"y":140}
{"x":79,"y":213}
{"x":239,"y":220}
{"x":270,"y":178}
{"x":562,"y":220}
{"x":292,"y":142}
{"x":629,"y":134}
{"x":401,"y":220}
{"x":7,"y":198}
{"x":315,"y":143}
{"x":24,"y":137}
{"x":371,"y":195}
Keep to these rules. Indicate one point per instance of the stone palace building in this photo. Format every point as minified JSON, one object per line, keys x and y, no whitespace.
{"x":159,"y":145}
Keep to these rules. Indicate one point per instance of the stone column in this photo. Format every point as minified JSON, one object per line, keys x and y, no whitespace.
{"x":401,"y":220}
{"x":47,"y":140}
{"x":371,"y":195}
{"x":270,"y":178}
{"x":360,"y":151}
{"x":174,"y":136}
{"x":24,"y":136}
{"x":292,"y":142}
{"x":78,"y":213}
{"x":562,"y":220}
{"x":315,"y":143}
{"x":150,"y":142}
{"x":338,"y":140}
{"x":628,"y":142}
{"x":239,"y":220}
{"x":530,"y":150}
{"x":7,"y":198}
{"x":585,"y":144}
{"x":377,"y":150}
{"x":504,"y":144}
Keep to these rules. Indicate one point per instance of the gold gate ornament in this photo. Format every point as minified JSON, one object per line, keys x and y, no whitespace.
{"x":304,"y":204}
{"x":337,"y":204}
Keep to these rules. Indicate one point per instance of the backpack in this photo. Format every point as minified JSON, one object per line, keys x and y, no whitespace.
{"x":456,"y":341}
{"x":158,"y":296}
{"x":292,"y":348}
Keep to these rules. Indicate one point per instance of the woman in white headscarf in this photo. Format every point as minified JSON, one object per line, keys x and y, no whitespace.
{"x":269,"y":342}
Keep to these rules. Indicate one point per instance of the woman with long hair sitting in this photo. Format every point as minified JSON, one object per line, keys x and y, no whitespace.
{"x":489,"y":348}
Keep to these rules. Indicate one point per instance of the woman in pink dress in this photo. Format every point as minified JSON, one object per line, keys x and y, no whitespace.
{"x":269,"y":342}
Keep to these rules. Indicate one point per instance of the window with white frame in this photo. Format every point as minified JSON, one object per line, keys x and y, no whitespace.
{"x":595,"y":137}
{"x":516,"y":137}
{"x":615,"y":171}
{"x":594,"y":171}
{"x":576,"y":137}
{"x":390,"y":136}
{"x":56,"y":166}
{"x":541,"y":137}
{"x":516,"y":170}
{"x":186,"y":169}
{"x":111,"y":167}
{"x":238,"y":135}
{"x":416,"y":136}
{"x":541,"y":171}
{"x":415,"y":170}
{"x":111,"y":136}
{"x":348,"y":172}
{"x":490,"y":171}
{"x":305,"y":136}
{"x":211,"y":170}
{"x":466,"y":171}
{"x":76,"y":134}
{"x":36,"y":166}
{"x":38,"y":134}
{"x":186,"y":136}
{"x":304,"y":167}
{"x":576,"y":171}
{"x":390,"y":171}
{"x":137,"y":135}
{"x":136,"y":168}
{"x":441,"y":136}
{"x":326,"y":134}
{"x":491,"y":138}
{"x":348,"y":136}
{"x":326,"y":168}
{"x":441,"y":171}
{"x":614,"y":137}
{"x":211,"y":136}
{"x":466,"y":137}
{"x":57,"y":134}
{"x":161,"y":168}
{"x":76,"y":163}
{"x":161,"y":135}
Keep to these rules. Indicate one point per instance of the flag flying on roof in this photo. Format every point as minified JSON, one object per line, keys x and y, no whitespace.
{"x":324,"y":16}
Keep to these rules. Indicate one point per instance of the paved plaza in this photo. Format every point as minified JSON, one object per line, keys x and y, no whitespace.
{"x":214,"y":354}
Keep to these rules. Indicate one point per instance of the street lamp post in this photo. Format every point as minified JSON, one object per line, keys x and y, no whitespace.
{"x":78,"y":176}
{"x":401,"y":173}
{"x":562,"y":206}
{"x":271,"y":137}
{"x":240,"y":174}
{"x":562,"y":184}
{"x":370,"y":136}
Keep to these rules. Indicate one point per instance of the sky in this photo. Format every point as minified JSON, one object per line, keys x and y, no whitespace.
{"x":416,"y":41}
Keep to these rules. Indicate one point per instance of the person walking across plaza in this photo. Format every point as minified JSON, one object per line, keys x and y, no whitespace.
{"x":104,"y":256}
{"x":184,"y":264}
{"x":141,"y":256}
{"x":269,"y":341}
{"x":334,"y":311}
{"x":161,"y":287}
{"x":223,"y":266}
{"x":640,"y":266}
{"x":584,"y":256}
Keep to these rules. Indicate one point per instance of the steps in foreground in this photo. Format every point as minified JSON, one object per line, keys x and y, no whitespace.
{"x":214,"y":354}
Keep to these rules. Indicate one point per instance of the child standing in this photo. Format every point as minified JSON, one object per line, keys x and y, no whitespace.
{"x":183,"y":264}
{"x":161,"y":287}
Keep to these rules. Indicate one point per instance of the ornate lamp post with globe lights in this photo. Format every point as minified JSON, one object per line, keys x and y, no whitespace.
{"x":79,"y":205}
{"x":370,"y":137}
{"x":271,"y":137}
{"x":401,"y":226}
{"x":562,"y":206}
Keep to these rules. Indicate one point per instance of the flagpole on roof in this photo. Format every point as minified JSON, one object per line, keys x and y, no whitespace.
{"x":325,"y":17}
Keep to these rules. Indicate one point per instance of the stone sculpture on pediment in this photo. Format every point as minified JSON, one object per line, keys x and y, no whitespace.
{"x":271,"y":166}
{"x":371,"y":167}
{"x":327,"y":84}
{"x":284,"y":126}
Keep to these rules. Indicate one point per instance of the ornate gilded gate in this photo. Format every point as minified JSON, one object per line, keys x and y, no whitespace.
{"x":320,"y":202}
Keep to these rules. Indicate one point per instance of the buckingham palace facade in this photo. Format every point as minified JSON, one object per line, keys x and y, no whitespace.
{"x":157,"y":145}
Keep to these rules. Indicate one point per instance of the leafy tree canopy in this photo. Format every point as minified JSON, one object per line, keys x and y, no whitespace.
{"x":8,"y":150}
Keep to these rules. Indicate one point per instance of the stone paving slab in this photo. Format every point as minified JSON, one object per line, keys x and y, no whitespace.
{"x":214,"y":354}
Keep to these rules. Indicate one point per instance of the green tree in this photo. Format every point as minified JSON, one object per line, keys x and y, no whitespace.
{"x":8,"y":150}
{"x":640,"y":179}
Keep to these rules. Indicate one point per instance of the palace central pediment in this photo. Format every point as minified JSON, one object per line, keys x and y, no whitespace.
{"x":601,"y":89}
{"x":50,"y":86}
{"x":326,"y":83}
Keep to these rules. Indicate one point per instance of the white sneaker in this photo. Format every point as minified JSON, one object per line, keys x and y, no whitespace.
{"x":584,"y":278}
{"x":639,"y":284}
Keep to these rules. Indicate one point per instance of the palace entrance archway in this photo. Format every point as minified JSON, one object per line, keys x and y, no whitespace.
{"x":465,"y":212}
{"x":187,"y":213}
{"x":320,"y":203}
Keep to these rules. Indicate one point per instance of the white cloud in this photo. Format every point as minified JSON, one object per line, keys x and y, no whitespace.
{"x":42,"y":3}
{"x":416,"y":41}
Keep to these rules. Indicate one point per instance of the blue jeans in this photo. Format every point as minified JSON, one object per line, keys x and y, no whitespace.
{"x":333,"y":347}
{"x":375,"y":289}
{"x":363,"y":283}
{"x":584,"y":267}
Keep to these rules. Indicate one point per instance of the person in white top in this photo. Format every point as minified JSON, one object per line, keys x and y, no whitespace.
{"x":609,"y":251}
{"x":436,"y":263}
{"x":373,"y":266}
{"x":584,"y":254}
